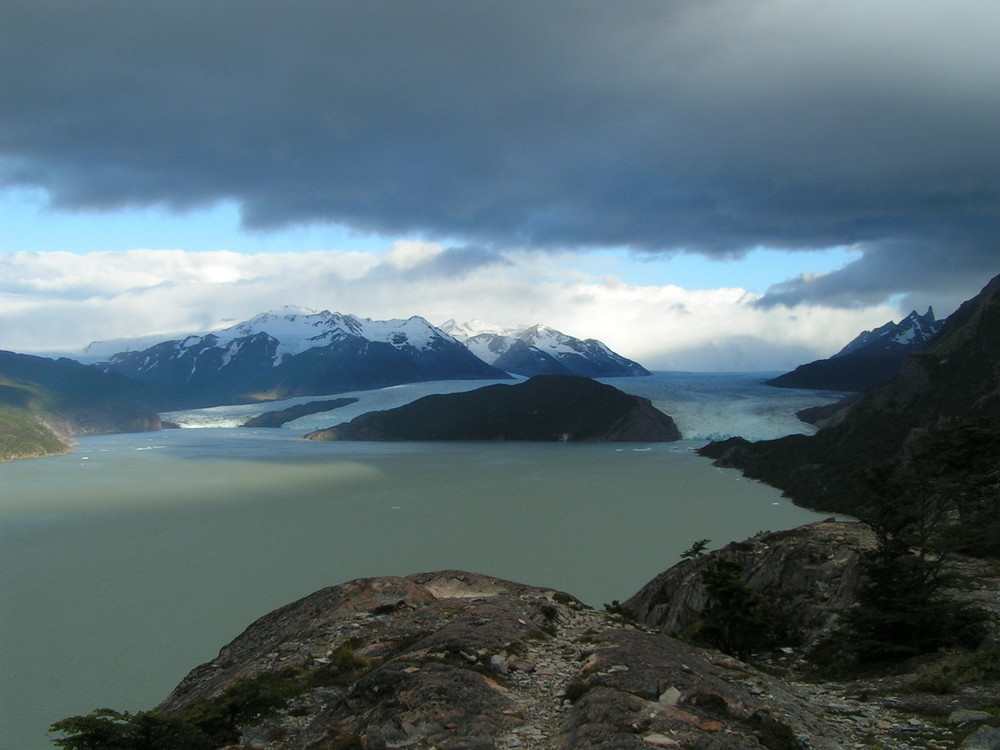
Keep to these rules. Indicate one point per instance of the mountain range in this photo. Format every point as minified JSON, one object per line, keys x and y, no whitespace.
{"x":869,"y":360}
{"x":293,"y":352}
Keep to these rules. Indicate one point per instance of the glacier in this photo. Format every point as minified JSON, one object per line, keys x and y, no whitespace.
{"x":705,"y":406}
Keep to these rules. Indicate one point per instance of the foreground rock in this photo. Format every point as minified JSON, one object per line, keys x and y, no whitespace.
{"x":460,"y":660}
{"x":544,"y":408}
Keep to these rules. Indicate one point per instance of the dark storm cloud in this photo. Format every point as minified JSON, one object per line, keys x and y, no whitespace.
{"x":711,"y":126}
{"x":914,"y":274}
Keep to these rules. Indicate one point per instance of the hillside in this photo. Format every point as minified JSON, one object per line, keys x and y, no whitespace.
{"x":544,"y":408}
{"x":950,"y":386}
{"x":24,"y":436}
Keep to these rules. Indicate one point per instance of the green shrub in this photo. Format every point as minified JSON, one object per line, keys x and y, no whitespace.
{"x":695,"y":550}
{"x":205,"y":725}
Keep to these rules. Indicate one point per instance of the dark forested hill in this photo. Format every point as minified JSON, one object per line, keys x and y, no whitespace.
{"x":952,"y":385}
{"x":544,"y":408}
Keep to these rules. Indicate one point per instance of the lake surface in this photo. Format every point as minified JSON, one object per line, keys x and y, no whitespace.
{"x":133,"y":560}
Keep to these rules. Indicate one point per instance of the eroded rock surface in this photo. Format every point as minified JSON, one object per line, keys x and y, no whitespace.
{"x":813,"y":570}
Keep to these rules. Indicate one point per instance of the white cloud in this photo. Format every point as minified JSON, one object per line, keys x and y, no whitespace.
{"x":51,"y":301}
{"x":407,"y":254}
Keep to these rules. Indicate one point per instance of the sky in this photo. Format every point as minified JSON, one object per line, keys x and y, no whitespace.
{"x":704,"y":184}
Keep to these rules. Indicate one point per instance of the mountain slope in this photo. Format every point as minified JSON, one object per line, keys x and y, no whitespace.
{"x":292,"y":352}
{"x":540,"y":350}
{"x":44,"y":401}
{"x":954,"y":382}
{"x":869,"y":360}
{"x":545,"y":408}
{"x":22,"y":435}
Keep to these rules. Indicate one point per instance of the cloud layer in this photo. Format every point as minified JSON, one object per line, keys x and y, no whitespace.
{"x":62,"y":301}
{"x":711,"y":126}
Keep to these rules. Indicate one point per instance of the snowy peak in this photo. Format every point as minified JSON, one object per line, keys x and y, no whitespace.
{"x":911,"y":333}
{"x":869,"y":360}
{"x":540,"y":350}
{"x":475,"y":327}
{"x":297,"y":330}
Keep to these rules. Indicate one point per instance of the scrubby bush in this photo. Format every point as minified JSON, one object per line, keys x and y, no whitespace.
{"x":206,"y":724}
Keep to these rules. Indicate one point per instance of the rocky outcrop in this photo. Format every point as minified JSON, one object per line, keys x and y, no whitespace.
{"x":460,"y":660}
{"x":544,"y":408}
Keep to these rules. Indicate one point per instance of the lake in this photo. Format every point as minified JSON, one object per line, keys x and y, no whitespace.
{"x":133,"y":560}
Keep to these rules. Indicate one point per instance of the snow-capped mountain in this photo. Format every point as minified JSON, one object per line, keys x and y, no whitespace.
{"x":869,"y":360}
{"x":295,"y":352}
{"x":474,"y":327}
{"x":540,"y":350}
{"x":910,"y":334}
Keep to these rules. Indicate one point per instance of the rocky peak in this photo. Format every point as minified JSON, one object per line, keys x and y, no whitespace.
{"x":911,"y":334}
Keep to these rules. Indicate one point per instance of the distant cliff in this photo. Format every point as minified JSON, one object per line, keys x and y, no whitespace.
{"x":544,"y":408}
